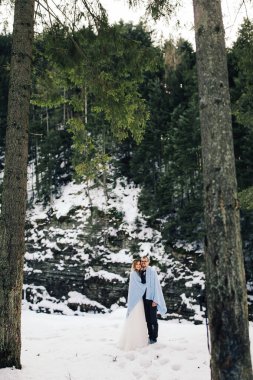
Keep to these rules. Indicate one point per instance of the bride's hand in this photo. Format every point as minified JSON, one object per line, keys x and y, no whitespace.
{"x":154,"y":304}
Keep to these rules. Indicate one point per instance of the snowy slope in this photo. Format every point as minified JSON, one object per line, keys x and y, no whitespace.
{"x":85,"y":241}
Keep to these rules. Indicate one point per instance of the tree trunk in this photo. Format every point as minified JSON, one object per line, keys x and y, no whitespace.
{"x":225,"y":277}
{"x":64,"y":108}
{"x":85,"y":105}
{"x":12,"y":221}
{"x":47,"y":120}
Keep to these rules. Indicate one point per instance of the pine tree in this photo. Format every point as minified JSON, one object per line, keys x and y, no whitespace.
{"x":242,"y":100}
{"x":225,"y":277}
{"x":12,"y":221}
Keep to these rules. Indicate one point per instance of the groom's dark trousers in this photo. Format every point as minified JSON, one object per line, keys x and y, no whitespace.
{"x":151,"y":319}
{"x":150,"y":313}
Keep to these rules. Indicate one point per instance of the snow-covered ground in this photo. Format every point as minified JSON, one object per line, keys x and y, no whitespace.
{"x":57,"y":347}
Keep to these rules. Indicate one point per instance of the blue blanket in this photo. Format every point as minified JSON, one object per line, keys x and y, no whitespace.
{"x":135,"y":291}
{"x":154,"y":290}
{"x":152,"y":287}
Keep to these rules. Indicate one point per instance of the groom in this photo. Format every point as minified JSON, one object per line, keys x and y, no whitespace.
{"x":153,"y":298}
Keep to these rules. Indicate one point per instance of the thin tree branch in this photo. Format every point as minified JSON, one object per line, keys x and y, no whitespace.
{"x":246,"y":10}
{"x":49,"y":13}
{"x":61,"y":23}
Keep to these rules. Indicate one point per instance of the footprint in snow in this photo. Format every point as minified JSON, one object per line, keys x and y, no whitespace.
{"x":191,"y":357}
{"x":176,"y":367}
{"x":130,"y":356}
{"x":136,"y":374}
{"x":159,"y":346}
{"x":178,"y":348}
{"x":164,"y":361}
{"x":145,"y":363}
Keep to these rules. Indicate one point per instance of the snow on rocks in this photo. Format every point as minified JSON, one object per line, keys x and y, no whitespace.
{"x":85,"y":241}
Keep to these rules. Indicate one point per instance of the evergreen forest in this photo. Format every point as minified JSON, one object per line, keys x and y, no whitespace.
{"x":114,"y":99}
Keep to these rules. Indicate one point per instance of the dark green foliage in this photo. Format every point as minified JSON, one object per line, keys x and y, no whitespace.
{"x":90,"y":83}
{"x":121,"y":97}
{"x":157,"y":8}
{"x":54,"y":165}
{"x":241,"y":89}
{"x":167,"y":164}
{"x":241,"y":74}
{"x":108,"y":68}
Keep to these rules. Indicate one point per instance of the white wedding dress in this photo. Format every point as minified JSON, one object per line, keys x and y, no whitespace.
{"x":134,"y":334}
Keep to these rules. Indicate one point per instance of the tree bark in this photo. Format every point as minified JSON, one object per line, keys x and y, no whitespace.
{"x":225,"y":277}
{"x":12,"y":220}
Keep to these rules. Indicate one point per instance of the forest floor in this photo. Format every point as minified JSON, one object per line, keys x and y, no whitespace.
{"x":57,"y":347}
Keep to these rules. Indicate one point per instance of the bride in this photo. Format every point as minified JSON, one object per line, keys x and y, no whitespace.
{"x":134,"y":334}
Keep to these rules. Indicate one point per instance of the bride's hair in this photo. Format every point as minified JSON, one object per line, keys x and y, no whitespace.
{"x":134,"y":264}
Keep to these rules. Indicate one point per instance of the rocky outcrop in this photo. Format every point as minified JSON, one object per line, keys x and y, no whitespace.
{"x":79,"y":260}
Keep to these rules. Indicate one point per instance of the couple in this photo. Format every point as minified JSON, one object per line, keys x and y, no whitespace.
{"x":145,"y":298}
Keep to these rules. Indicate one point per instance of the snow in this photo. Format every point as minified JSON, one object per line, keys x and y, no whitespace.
{"x":73,"y":195}
{"x":108,"y":276}
{"x":145,"y":248}
{"x":48,"y":237}
{"x":128,"y":194}
{"x":196,"y":278}
{"x":122,"y":256}
{"x":83,"y":346}
{"x":57,"y":347}
{"x":76,"y":348}
{"x":78,"y":298}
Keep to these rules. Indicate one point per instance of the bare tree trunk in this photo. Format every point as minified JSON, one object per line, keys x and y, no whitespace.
{"x":47,"y":120}
{"x":225,"y":277}
{"x":64,"y":107}
{"x":12,"y":221}
{"x":85,"y":94}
